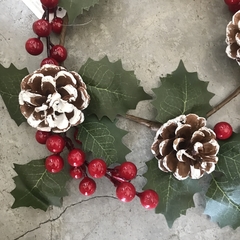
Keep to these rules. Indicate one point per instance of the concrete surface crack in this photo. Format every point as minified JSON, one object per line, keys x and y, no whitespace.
{"x":60,"y":215}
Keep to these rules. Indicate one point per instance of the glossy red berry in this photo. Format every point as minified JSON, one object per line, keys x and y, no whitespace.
{"x":115,"y":171}
{"x":42,"y":28}
{"x":59,"y":53}
{"x":128,"y":170}
{"x":34,"y":46}
{"x":223,"y":130}
{"x":49,"y":61}
{"x":76,"y":157}
{"x":231,"y":2}
{"x":125,"y":192}
{"x":87,"y":186}
{"x":76,"y":172}
{"x":42,"y":136}
{"x":149,"y":199}
{"x":57,"y":25}
{"x":234,"y":8}
{"x":55,"y":143}
{"x":54,"y":163}
{"x":97,"y":168}
{"x":49,"y":3}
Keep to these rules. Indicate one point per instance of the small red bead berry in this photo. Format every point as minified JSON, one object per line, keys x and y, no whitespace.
{"x":149,"y":199}
{"x":223,"y":130}
{"x":54,"y":163}
{"x":87,"y":186}
{"x":42,"y":28}
{"x":97,"y":168}
{"x":234,"y":8}
{"x":76,"y":172}
{"x":125,"y":191}
{"x":34,"y":46}
{"x":57,"y":25}
{"x":59,"y":53}
{"x":76,"y":157}
{"x":49,"y":3}
{"x":55,"y":143}
{"x":115,"y":171}
{"x":49,"y":61}
{"x":42,"y":136}
{"x":128,"y":170}
{"x":231,"y":2}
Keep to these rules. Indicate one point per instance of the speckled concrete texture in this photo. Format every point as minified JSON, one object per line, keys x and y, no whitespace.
{"x":150,"y":36}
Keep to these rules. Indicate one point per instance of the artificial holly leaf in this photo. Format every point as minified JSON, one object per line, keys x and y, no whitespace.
{"x":175,"y":196}
{"x":181,"y":93}
{"x":10,"y":79}
{"x":112,"y":89}
{"x":76,"y":7}
{"x":223,"y":202}
{"x":38,"y":188}
{"x":103,"y":139}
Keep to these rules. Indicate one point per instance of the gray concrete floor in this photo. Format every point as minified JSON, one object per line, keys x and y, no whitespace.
{"x":150,"y":37}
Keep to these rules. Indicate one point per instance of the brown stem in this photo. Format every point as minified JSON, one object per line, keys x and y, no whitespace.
{"x":224,"y":102}
{"x":150,"y":124}
{"x":64,"y":29}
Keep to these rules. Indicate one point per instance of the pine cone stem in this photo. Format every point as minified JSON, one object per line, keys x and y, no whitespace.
{"x":224,"y":102}
{"x":150,"y":124}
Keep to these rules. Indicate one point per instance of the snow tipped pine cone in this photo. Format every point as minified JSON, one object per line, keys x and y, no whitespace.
{"x":52,"y":98}
{"x":186,"y":147}
{"x":233,"y":38}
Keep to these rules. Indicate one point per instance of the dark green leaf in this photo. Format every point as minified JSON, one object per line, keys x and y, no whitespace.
{"x":181,"y":93}
{"x":38,"y":188}
{"x":175,"y":196}
{"x":76,"y":7}
{"x":10,"y":79}
{"x":223,"y":203}
{"x":112,"y":89}
{"x":103,"y":139}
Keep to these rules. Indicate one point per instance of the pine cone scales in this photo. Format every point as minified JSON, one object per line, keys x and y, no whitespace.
{"x":186,"y":147}
{"x":233,"y":38}
{"x":52,"y":99}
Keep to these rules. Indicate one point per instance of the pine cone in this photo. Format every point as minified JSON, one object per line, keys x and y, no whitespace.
{"x":233,"y":38}
{"x":186,"y":147}
{"x":52,"y":99}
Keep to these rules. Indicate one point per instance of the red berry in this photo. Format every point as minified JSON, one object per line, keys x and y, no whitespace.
{"x":76,"y":173}
{"x":57,"y":25}
{"x":59,"y":53}
{"x":149,"y":199}
{"x":97,"y":168}
{"x":42,"y":136}
{"x":87,"y":186}
{"x":223,"y":130}
{"x":54,"y":163}
{"x":128,"y":170}
{"x":76,"y":157}
{"x":125,"y":192}
{"x":34,"y":46}
{"x":231,"y":2}
{"x":234,"y":8}
{"x":115,"y":171}
{"x":55,"y":143}
{"x":42,"y":28}
{"x":49,"y":3}
{"x":49,"y":61}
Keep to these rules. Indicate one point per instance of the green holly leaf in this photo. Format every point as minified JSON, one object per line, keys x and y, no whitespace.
{"x":76,"y":7}
{"x":10,"y":79}
{"x":175,"y":196}
{"x":223,"y":202}
{"x":38,"y":188}
{"x":181,"y":93}
{"x":112,"y":89}
{"x":103,"y":139}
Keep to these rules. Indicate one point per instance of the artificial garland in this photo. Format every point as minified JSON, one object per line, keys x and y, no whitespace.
{"x":54,"y":100}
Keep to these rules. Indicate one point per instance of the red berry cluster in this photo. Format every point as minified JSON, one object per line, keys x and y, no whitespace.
{"x":120,"y":175}
{"x":43,"y":28}
{"x":233,"y":5}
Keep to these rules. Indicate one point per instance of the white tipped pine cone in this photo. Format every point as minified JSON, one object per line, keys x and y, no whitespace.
{"x":52,"y":99}
{"x":186,"y":147}
{"x":233,"y":38}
